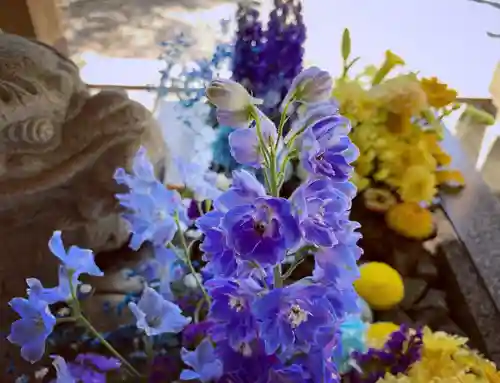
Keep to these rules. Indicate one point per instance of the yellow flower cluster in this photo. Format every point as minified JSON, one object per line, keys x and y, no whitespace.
{"x":445,"y":359}
{"x":397,"y":128}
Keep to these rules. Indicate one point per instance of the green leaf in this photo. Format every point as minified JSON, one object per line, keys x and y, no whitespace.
{"x":346,"y":44}
{"x":348,"y":67}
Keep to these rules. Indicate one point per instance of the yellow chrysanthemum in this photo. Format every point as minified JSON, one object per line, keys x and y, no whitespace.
{"x":440,"y":341}
{"x":379,"y":285}
{"x":379,"y":200}
{"x":364,"y":165}
{"x":438,"y":94}
{"x":401,"y":95}
{"x":410,"y":220}
{"x":360,"y":182}
{"x":418,"y":184}
{"x":355,"y":102}
{"x":378,"y":333}
{"x":450,"y":177}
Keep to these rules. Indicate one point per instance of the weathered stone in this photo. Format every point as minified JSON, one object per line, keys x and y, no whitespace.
{"x":434,"y":300}
{"x":59,"y":148}
{"x":405,"y":258}
{"x":396,"y":315}
{"x":429,"y":317}
{"x":450,"y":327}
{"x":427,"y":269}
{"x":414,"y":290}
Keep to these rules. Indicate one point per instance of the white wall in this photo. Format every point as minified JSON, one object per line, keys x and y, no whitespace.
{"x":445,"y":38}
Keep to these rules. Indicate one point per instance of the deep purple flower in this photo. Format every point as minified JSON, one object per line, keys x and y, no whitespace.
{"x":288,"y":374}
{"x":262,"y":231}
{"x":249,"y":364}
{"x":319,"y":365}
{"x":295,"y":318}
{"x":400,"y":352}
{"x":244,"y":190}
{"x":92,"y":367}
{"x":194,"y":333}
{"x":31,"y":331}
{"x":320,"y":205}
{"x":230,"y":311}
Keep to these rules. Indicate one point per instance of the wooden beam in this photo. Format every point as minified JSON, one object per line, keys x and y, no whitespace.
{"x":38,"y":19}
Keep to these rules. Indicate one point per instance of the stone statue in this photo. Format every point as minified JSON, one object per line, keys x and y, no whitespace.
{"x":59,"y":148}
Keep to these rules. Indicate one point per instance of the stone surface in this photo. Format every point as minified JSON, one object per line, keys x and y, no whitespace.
{"x":433,"y":300}
{"x":427,"y":269}
{"x":414,"y":290}
{"x":59,"y":148}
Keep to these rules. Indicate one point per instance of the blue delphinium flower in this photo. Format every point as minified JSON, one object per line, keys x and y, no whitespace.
{"x":155,"y":315}
{"x":62,"y":369}
{"x":244,"y":190}
{"x":262,"y":231}
{"x":143,"y":174}
{"x":319,"y":205}
{"x":31,"y":331}
{"x":325,"y":154}
{"x":352,"y":338}
{"x":77,"y":261}
{"x":52,"y":295}
{"x":205,"y":364}
{"x":230,"y":312}
{"x":244,"y":143}
{"x":200,"y":181}
{"x":151,"y":205}
{"x":295,"y":318}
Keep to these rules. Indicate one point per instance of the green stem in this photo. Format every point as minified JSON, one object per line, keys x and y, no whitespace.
{"x":188,"y":259}
{"x":106,"y":344}
{"x":282,"y":123}
{"x":278,"y":280}
{"x":66,"y":320}
{"x":78,"y":316}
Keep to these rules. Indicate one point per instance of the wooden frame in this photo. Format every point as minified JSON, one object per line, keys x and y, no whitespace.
{"x":39,"y":19}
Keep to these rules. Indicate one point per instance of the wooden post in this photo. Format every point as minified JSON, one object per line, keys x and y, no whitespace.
{"x":38,"y":19}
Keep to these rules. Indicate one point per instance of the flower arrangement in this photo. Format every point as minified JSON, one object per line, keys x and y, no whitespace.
{"x":265,"y":61}
{"x":245,"y":319}
{"x":397,"y":128}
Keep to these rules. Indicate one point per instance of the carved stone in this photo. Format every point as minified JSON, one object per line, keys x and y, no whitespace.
{"x":59,"y":148}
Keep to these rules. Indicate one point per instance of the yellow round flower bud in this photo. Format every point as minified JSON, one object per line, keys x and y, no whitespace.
{"x":379,"y":285}
{"x":410,"y":220}
{"x":378,"y":333}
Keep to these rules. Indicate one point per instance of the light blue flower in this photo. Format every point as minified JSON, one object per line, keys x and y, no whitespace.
{"x":51,"y":295}
{"x":155,"y":315}
{"x":31,"y":331}
{"x":205,"y":364}
{"x":152,"y":216}
{"x":76,"y":260}
{"x":200,"y":181}
{"x":352,"y":333}
{"x":62,"y":369}
{"x":143,"y":177}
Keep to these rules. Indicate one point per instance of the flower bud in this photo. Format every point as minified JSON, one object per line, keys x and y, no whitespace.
{"x":230,"y":95}
{"x":234,"y":104}
{"x":310,"y":86}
